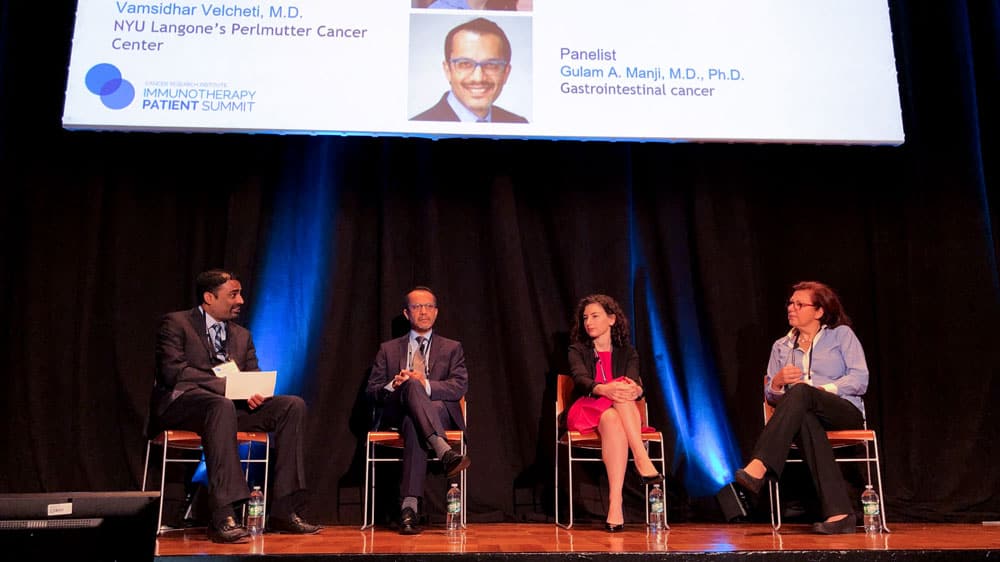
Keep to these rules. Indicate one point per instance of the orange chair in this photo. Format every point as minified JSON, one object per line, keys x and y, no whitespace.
{"x":840,"y":440}
{"x":591,"y":441}
{"x":191,"y":441}
{"x":394,"y":440}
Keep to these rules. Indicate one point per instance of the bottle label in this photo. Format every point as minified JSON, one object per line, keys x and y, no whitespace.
{"x":871,"y":508}
{"x":454,"y":507}
{"x":255,"y":510}
{"x":656,"y":506}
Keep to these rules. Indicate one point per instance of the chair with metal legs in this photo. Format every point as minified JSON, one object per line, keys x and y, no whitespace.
{"x":394,"y":440}
{"x":840,"y":440}
{"x":591,"y":441}
{"x":190,"y":441}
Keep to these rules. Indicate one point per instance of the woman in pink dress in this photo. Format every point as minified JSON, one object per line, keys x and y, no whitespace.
{"x":605,"y":368}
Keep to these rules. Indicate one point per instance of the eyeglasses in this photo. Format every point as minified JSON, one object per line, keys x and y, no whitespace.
{"x":798,"y":305}
{"x":416,"y":307}
{"x":467,"y":65}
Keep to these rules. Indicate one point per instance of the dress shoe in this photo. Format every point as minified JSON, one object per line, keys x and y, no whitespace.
{"x":748,"y":482}
{"x":650,"y":480}
{"x":228,"y":532}
{"x":454,"y":463}
{"x":292,"y":525}
{"x":614,"y":528}
{"x":844,"y":526}
{"x":408,"y":522}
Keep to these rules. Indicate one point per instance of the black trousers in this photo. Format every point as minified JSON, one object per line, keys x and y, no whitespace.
{"x":803,"y":416}
{"x":217,"y":419}
{"x":417,"y":417}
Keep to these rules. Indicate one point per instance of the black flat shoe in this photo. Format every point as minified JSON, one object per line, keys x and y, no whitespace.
{"x":844,"y":526}
{"x":294,"y":524}
{"x":228,"y":532}
{"x":650,"y":480}
{"x":408,"y":522}
{"x":614,"y":528}
{"x":747,"y":482}
{"x":454,"y":463}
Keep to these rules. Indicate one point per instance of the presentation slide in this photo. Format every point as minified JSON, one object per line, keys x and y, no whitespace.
{"x":793,"y":71}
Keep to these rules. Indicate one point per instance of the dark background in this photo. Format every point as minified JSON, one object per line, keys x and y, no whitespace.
{"x":104,"y":232}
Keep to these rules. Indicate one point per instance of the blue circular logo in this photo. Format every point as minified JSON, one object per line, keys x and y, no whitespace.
{"x":105,"y":80}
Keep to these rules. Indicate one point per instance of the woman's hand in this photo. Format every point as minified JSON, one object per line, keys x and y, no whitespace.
{"x":788,"y":375}
{"x":619,"y":391}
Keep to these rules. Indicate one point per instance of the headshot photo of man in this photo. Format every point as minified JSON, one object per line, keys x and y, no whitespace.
{"x":476,"y":65}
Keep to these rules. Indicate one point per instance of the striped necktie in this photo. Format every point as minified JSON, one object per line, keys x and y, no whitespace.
{"x":420,"y":358}
{"x":218,"y":341}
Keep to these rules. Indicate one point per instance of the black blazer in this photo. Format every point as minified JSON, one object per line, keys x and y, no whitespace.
{"x":583,"y":366}
{"x":185,"y":357}
{"x":441,"y":111}
{"x":448,"y":378}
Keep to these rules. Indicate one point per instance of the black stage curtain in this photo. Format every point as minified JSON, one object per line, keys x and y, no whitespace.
{"x":104,"y":232}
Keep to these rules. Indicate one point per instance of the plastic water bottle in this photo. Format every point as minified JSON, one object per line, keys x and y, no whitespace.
{"x":870,"y":505}
{"x":255,"y":512}
{"x":656,"y":509}
{"x":453,"y":521}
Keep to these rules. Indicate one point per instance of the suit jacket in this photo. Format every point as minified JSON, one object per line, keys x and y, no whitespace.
{"x":447,"y":377}
{"x":185,"y":357}
{"x":441,"y":111}
{"x":583,"y":366}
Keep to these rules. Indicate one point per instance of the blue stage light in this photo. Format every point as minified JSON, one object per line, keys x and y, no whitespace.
{"x":705,"y":447}
{"x":289,"y":296}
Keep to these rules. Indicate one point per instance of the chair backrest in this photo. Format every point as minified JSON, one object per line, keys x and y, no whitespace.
{"x":564,"y":393}
{"x":768,"y":412}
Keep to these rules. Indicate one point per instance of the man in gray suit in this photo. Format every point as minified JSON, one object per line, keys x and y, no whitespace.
{"x":188,"y":395}
{"x":418,"y":380}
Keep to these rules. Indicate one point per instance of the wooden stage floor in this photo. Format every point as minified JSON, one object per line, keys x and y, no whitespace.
{"x":537,"y":541}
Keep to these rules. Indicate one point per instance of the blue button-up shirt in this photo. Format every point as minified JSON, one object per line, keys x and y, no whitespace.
{"x":835,"y":362}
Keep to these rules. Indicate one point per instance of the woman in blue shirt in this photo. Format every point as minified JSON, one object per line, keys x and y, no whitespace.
{"x":815,"y":379}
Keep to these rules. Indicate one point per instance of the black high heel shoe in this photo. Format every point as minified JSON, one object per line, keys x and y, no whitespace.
{"x":650,"y":480}
{"x":614,"y":528}
{"x":844,"y":526}
{"x":748,"y":482}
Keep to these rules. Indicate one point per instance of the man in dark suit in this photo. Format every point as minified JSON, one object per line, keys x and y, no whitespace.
{"x":188,"y":395}
{"x":477,"y":64}
{"x":419,"y":379}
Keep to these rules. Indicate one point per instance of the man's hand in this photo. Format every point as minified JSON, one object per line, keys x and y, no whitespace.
{"x":418,"y":376}
{"x":400,"y":378}
{"x":255,"y":401}
{"x":788,"y":375}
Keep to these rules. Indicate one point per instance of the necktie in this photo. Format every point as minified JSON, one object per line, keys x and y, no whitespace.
{"x":218,"y":342}
{"x":420,"y":357}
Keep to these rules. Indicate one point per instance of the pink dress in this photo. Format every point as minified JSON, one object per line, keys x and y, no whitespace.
{"x":585,"y":413}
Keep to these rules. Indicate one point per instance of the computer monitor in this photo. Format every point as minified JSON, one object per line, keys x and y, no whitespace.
{"x":82,"y":525}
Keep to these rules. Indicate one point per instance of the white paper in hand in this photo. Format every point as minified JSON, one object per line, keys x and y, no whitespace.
{"x":244,"y":384}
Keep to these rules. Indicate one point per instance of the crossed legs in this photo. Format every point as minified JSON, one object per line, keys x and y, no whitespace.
{"x":621,"y":431}
{"x":803,"y":416}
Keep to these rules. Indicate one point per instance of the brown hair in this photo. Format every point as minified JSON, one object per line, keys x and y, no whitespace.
{"x":619,"y":331}
{"x":826,"y":298}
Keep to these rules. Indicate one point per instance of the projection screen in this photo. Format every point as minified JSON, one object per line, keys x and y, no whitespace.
{"x":821,"y":71}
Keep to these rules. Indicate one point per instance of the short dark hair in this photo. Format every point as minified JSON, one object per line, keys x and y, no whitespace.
{"x":406,"y":297}
{"x":210,"y":281}
{"x":482,"y":26}
{"x":826,"y":298}
{"x":619,"y":331}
